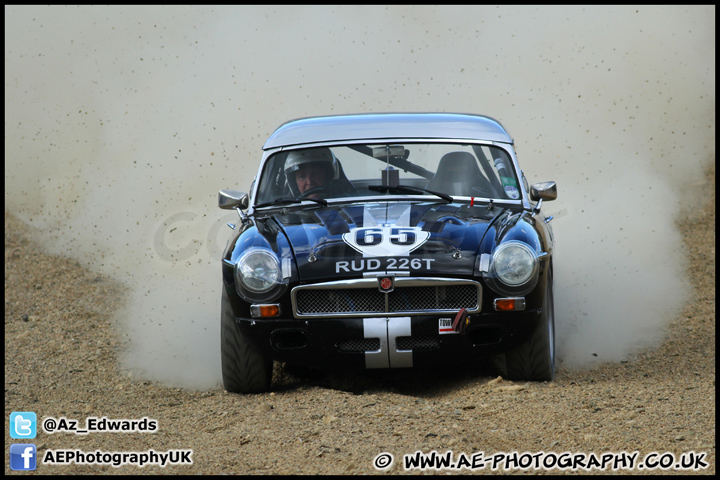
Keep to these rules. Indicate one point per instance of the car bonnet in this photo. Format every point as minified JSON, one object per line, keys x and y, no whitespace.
{"x":402,"y":238}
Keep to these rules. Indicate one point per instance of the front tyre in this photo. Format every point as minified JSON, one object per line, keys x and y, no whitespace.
{"x":243,"y":369}
{"x":534,"y":360}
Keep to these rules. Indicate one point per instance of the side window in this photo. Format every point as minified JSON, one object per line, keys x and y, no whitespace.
{"x":497,"y":165}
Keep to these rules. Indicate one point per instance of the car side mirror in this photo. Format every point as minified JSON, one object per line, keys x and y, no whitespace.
{"x":543,"y":191}
{"x":232,"y":199}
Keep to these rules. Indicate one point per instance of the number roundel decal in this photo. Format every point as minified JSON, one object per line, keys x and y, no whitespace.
{"x":385,"y":241}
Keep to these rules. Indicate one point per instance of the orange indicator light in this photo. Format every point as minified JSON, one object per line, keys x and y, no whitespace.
{"x":264,"y":311}
{"x":513,"y":304}
{"x":505,"y":304}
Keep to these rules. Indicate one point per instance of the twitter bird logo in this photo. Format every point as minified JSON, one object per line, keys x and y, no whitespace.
{"x":23,"y":425}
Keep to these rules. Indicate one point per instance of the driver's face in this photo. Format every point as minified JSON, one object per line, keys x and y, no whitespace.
{"x":310,"y":176}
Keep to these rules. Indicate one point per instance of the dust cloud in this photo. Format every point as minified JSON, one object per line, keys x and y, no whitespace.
{"x":123,"y":122}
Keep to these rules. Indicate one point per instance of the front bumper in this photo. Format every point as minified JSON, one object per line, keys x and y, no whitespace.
{"x":387,"y":342}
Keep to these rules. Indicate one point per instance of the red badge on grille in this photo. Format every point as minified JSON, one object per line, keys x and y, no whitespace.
{"x":386,"y":284}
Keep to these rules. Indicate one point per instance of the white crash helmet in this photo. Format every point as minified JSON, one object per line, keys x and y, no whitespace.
{"x":296,"y":158}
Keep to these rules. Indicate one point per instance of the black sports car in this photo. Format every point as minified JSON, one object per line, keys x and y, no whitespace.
{"x":388,"y":241}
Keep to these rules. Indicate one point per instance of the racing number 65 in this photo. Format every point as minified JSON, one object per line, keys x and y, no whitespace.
{"x":374,"y":236}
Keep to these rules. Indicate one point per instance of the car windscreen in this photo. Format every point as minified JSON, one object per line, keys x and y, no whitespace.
{"x":360,"y":170}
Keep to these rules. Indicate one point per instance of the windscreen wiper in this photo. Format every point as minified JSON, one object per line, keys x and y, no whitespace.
{"x":285,"y":201}
{"x":409,"y":189}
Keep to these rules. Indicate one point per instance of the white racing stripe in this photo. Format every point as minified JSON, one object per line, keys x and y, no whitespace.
{"x":399,"y":327}
{"x":376,"y":328}
{"x":387,"y":330}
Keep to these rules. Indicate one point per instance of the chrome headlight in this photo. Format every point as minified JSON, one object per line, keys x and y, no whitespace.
{"x":258,"y":270}
{"x":513,"y":269}
{"x":514,"y":263}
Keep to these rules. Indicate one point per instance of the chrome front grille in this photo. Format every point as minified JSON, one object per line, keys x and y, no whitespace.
{"x":361,"y":300}
{"x":411,"y":296}
{"x":438,"y":297}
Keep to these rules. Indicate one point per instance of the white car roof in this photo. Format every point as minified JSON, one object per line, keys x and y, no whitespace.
{"x":379,"y":126}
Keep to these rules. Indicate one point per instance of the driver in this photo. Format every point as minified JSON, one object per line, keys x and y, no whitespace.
{"x":311,"y":168}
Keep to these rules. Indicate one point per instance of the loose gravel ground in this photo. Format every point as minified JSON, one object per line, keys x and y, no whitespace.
{"x":61,"y":352}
